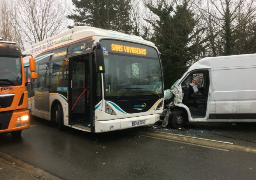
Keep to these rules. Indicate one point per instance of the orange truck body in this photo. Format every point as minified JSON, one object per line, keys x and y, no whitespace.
{"x":14,"y":115}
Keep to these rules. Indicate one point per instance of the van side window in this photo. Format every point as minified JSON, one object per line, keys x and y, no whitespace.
{"x":199,"y":77}
{"x":195,"y":88}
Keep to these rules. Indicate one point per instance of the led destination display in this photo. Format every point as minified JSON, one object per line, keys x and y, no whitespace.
{"x":128,"y":48}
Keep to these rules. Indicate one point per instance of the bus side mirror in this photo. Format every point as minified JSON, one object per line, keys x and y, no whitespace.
{"x":99,"y":59}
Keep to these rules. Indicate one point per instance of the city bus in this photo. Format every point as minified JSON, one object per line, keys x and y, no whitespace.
{"x":14,"y":116}
{"x":96,"y":80}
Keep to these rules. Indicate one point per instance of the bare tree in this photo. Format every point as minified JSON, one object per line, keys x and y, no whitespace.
{"x":8,"y":29}
{"x":5,"y":23}
{"x":228,"y":22}
{"x":40,"y":19}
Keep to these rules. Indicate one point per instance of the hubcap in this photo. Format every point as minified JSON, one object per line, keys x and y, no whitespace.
{"x":179,"y":119}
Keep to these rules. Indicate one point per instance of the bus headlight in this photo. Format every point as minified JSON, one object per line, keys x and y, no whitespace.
{"x":109,"y":110}
{"x":22,"y":118}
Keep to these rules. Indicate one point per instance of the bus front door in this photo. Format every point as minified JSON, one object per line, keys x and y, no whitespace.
{"x":79,"y":99}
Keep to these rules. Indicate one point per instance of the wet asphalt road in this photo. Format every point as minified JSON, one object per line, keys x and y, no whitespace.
{"x":200,"y":151}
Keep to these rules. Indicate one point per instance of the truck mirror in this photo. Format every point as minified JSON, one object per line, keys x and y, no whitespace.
{"x":99,"y":59}
{"x":32,"y":64}
{"x":33,"y":75}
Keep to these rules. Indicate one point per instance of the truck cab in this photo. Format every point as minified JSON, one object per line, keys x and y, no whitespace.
{"x":14,"y":116}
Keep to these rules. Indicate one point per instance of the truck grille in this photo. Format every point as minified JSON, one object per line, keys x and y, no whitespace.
{"x":6,"y":100}
{"x":5,"y":118}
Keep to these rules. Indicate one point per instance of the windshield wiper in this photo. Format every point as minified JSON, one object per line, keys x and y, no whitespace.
{"x":7,"y":81}
{"x":129,"y":89}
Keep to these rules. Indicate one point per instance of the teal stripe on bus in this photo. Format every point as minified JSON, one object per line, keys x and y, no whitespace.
{"x":115,"y":106}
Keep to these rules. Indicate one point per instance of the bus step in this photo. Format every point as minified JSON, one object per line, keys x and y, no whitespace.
{"x":81,"y":127}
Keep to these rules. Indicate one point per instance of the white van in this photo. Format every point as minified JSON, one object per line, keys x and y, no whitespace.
{"x":226,"y":92}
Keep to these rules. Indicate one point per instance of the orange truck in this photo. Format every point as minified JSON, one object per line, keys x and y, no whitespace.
{"x":14,"y":115}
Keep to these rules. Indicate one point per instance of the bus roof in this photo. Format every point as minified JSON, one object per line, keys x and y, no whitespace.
{"x":79,"y":33}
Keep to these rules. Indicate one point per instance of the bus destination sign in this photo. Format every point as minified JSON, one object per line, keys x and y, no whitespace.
{"x":128,"y":49}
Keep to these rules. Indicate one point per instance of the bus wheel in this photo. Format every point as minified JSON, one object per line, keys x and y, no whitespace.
{"x":57,"y":116}
{"x":53,"y":114}
{"x":177,"y":119}
{"x":16,"y":133}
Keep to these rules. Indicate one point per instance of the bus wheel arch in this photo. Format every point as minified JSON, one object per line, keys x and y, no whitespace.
{"x":178,"y":117}
{"x":57,"y":116}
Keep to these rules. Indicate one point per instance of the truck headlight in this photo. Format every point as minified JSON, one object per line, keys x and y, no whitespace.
{"x":23,"y":118}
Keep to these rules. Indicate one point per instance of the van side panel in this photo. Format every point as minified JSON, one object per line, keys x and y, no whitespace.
{"x":234,"y":92}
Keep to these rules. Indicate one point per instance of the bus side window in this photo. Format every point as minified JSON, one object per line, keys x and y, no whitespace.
{"x":43,"y":77}
{"x":59,"y":74}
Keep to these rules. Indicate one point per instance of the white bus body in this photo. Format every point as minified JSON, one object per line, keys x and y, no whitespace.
{"x":227,"y":92}
{"x":80,"y":80}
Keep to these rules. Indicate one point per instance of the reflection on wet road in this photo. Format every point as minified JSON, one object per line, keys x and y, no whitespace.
{"x":200,"y":151}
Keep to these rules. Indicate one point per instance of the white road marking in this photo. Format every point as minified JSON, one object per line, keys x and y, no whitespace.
{"x":213,"y":140}
{"x":186,"y":143}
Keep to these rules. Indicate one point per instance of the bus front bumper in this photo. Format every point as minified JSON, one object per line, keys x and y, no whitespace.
{"x":125,"y":123}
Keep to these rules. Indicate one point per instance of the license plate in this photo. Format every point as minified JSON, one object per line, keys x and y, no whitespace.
{"x":137,"y":123}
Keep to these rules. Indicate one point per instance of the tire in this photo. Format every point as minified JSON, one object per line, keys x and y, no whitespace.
{"x":57,"y":116}
{"x":177,"y":119}
{"x":16,"y":134}
{"x":53,"y":115}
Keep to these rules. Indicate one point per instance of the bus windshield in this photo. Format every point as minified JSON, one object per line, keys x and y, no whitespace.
{"x":10,"y":71}
{"x":135,"y":72}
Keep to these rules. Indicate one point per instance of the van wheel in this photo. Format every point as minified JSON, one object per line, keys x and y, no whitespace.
{"x":177,"y":119}
{"x":57,"y":116}
{"x":16,"y":133}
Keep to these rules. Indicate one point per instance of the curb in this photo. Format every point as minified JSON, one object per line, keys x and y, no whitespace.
{"x":27,"y":168}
